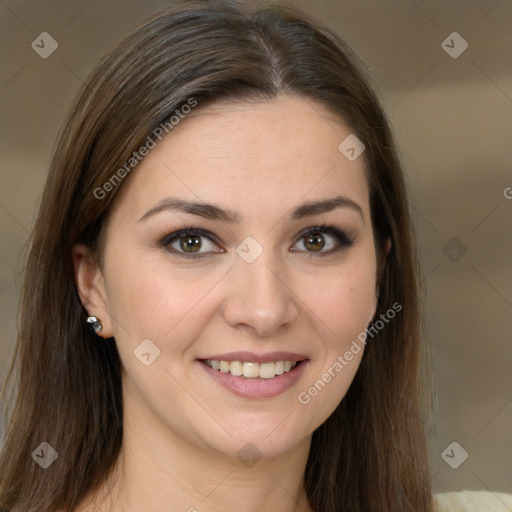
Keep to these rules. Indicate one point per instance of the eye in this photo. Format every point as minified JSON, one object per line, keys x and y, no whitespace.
{"x":315,"y":240}
{"x":319,"y":241}
{"x":189,"y":242}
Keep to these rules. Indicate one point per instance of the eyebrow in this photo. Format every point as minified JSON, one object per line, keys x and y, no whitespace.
{"x":213,"y":212}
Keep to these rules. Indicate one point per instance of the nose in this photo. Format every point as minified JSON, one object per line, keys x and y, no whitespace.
{"x":260,"y":299}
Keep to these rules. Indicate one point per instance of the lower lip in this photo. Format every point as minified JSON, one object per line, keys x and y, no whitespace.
{"x":256,"y":388}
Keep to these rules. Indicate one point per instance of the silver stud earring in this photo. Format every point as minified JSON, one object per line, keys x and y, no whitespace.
{"x":95,"y":324}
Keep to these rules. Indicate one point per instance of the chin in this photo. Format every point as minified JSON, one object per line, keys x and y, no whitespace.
{"x":264,"y":435}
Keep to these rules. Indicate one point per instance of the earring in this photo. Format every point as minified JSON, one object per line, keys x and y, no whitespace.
{"x":95,"y":324}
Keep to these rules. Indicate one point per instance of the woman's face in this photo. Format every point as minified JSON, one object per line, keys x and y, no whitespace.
{"x":261,"y":282}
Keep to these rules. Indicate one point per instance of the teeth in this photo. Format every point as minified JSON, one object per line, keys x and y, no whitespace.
{"x":267,"y":370}
{"x":236,"y":368}
{"x":252,"y":370}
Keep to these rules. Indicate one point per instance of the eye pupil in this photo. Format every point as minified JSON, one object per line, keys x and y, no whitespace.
{"x":190,"y":242}
{"x":314,"y":241}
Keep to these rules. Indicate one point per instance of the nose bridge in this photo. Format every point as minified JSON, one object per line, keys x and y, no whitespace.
{"x":260,"y":297}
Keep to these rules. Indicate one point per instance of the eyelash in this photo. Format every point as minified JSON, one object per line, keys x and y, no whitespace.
{"x":343,"y":240}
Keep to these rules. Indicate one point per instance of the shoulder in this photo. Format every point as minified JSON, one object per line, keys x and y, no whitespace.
{"x":473,"y":501}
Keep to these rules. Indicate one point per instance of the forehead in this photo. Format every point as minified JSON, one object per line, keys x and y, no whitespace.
{"x":255,"y":157}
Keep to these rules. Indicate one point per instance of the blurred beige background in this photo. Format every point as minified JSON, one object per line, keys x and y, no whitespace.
{"x":453,"y":121}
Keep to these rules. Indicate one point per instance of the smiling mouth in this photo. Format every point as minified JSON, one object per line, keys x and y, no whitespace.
{"x":252,"y":370}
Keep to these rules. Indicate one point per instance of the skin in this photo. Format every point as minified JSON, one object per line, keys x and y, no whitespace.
{"x":182,"y":429}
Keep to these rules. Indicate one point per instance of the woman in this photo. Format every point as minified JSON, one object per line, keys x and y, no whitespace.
{"x":220,"y":309}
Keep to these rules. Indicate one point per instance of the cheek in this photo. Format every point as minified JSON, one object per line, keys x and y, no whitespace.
{"x":342,"y":299}
{"x":342,"y":304}
{"x":153,"y":300}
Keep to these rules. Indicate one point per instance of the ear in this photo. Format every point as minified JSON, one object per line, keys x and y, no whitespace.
{"x":91,"y":286}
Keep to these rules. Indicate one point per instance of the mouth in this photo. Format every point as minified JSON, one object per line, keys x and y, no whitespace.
{"x":248,"y":378}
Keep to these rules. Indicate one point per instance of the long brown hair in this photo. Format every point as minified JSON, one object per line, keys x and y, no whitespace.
{"x":370,"y":454}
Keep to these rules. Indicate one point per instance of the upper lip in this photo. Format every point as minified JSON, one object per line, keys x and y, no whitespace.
{"x":257,"y":358}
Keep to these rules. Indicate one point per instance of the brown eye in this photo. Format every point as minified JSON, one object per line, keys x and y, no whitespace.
{"x":314,"y":241}
{"x":323,"y":240}
{"x":190,"y":243}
